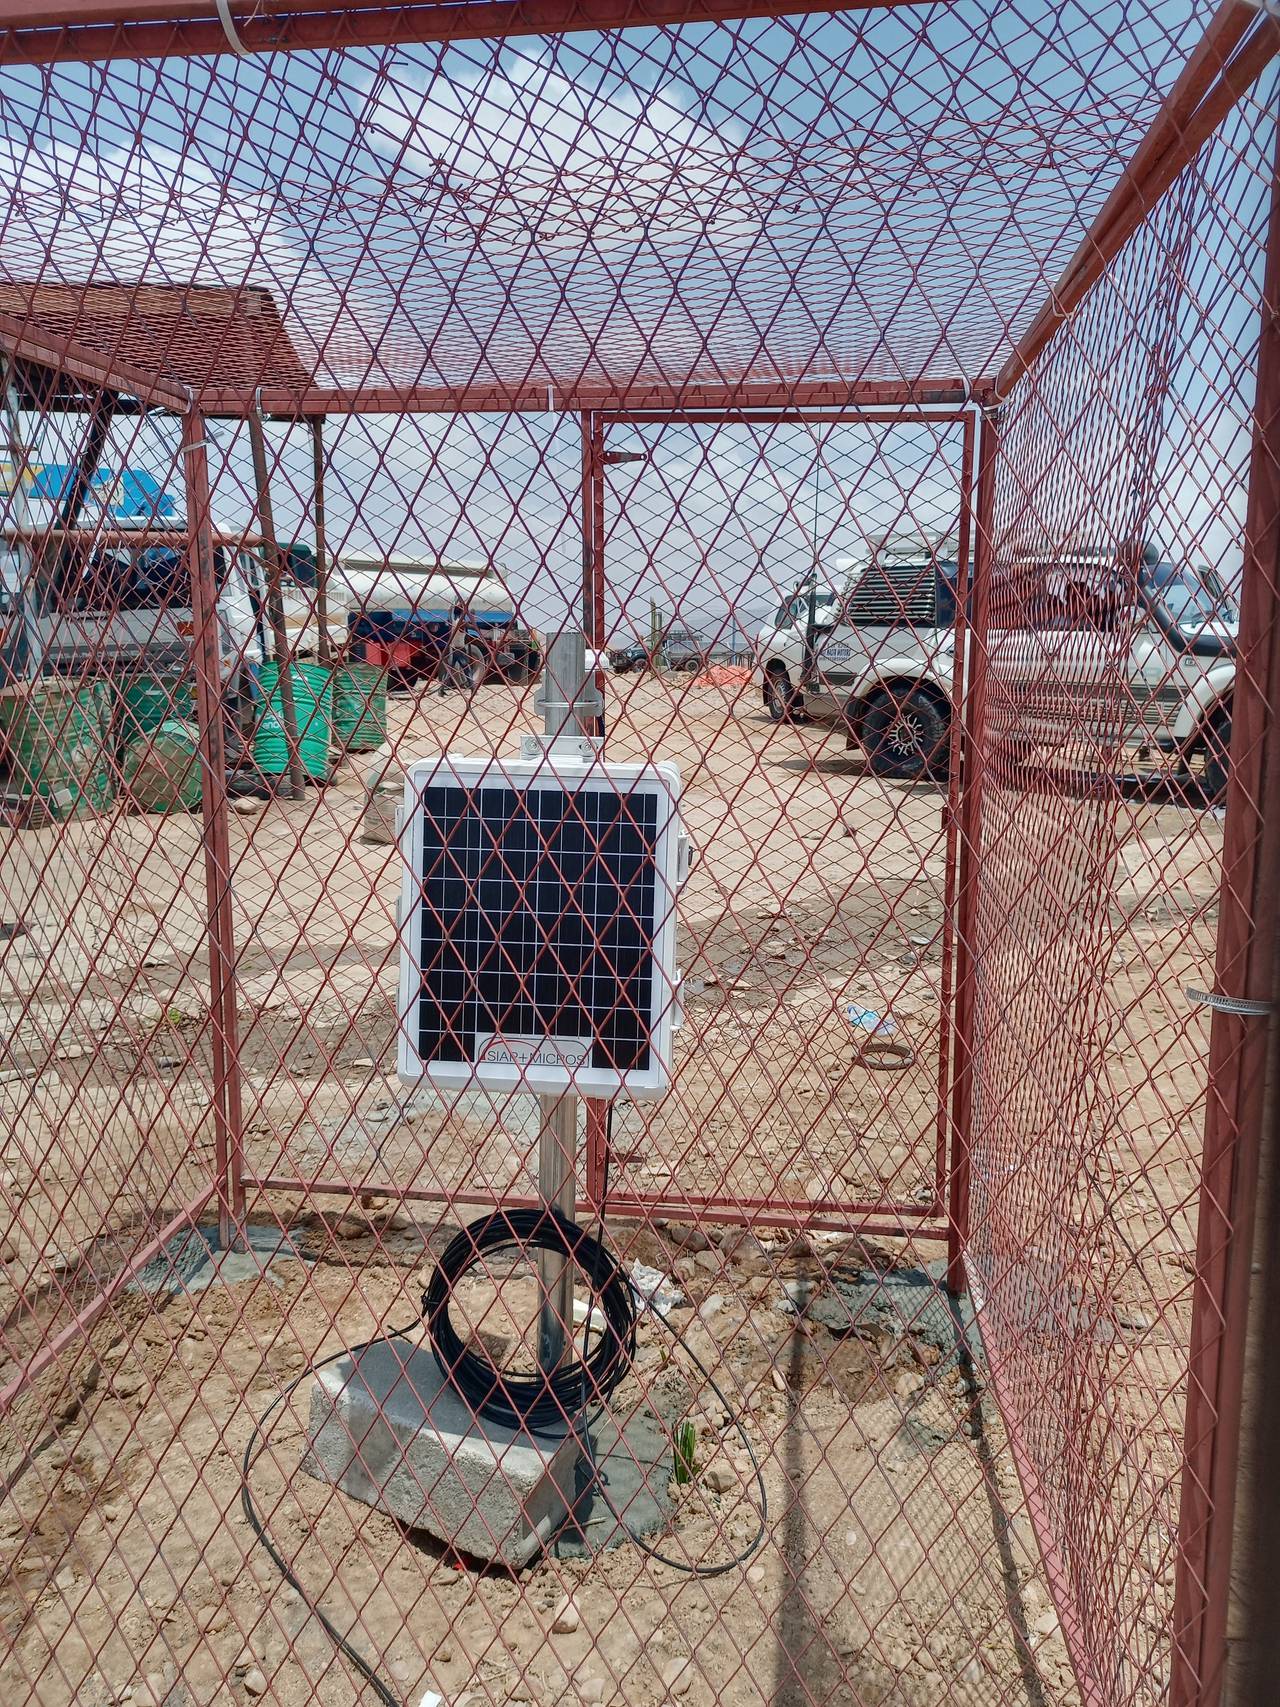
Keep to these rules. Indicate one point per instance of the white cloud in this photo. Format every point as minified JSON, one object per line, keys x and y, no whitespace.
{"x":523,"y":156}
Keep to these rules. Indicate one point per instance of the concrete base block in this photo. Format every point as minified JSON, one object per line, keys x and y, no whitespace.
{"x":388,"y":1429}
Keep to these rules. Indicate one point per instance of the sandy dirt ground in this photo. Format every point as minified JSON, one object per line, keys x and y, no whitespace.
{"x":898,"y":1565}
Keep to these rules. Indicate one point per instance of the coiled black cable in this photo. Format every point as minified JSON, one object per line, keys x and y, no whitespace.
{"x":543,"y":1402}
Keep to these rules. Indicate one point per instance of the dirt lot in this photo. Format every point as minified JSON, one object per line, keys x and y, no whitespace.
{"x":897,"y":1567}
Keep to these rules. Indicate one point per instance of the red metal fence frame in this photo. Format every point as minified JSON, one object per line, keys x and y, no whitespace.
{"x":883,"y":1216}
{"x":1238,"y":45}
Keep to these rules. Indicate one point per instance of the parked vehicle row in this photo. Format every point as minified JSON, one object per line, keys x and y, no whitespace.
{"x":1084,"y":649}
{"x":1081,"y":650}
{"x":678,"y":649}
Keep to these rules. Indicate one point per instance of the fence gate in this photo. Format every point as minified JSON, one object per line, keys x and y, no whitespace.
{"x":805,"y":580}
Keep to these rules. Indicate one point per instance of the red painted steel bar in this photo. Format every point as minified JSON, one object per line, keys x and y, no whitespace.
{"x":868,"y":1217}
{"x":593,"y":626}
{"x":951,"y":816}
{"x":105,"y":29}
{"x":322,"y":550}
{"x":227,"y":1107}
{"x":780,"y":1212}
{"x":281,"y":645}
{"x":84,"y":1319}
{"x":855,"y":414}
{"x":1219,"y":73}
{"x":661,"y":396}
{"x":972,"y":775}
{"x":1239,"y":1048}
{"x":30,"y":342}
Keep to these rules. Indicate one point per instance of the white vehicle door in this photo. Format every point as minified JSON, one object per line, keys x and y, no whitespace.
{"x":1191,"y":631}
{"x":1122,"y":679}
{"x":785,"y":640}
{"x":239,"y":601}
{"x":1157,"y":685}
{"x":1058,"y":651}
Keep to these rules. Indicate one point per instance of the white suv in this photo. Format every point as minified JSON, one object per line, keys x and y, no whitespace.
{"x":1084,"y":659}
{"x":882,"y":667}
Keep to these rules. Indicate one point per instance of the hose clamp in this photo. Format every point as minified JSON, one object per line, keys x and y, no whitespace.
{"x":1245,"y":1006}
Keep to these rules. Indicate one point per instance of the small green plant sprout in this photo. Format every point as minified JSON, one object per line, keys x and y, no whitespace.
{"x":686,"y":1452}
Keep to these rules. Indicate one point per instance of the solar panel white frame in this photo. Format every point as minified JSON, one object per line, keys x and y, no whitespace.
{"x":570,"y":774}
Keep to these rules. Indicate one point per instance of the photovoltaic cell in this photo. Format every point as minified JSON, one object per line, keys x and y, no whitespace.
{"x":538,"y":920}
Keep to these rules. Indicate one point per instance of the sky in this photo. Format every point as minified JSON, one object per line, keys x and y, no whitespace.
{"x":870,"y":193}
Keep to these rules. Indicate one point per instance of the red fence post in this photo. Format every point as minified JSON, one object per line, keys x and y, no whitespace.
{"x":593,"y":532}
{"x":972,"y":775}
{"x":951,"y":818}
{"x":1239,"y":1046}
{"x":228,"y":1119}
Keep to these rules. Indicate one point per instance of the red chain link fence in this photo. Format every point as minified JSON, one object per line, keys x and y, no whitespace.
{"x":337,"y":384}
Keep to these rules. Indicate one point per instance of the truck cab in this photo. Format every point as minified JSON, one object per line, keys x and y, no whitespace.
{"x":780,"y":648}
{"x":881,"y":666}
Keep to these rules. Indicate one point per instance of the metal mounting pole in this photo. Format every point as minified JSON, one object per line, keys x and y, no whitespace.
{"x":557,"y":1187}
{"x":570,"y":705}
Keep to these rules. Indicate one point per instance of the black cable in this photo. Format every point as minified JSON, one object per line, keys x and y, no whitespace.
{"x":543,"y":1402}
{"x":753,"y":1546}
{"x":381,"y":1689}
{"x":540,"y":1404}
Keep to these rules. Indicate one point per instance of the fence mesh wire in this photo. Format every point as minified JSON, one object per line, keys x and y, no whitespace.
{"x":336,"y":386}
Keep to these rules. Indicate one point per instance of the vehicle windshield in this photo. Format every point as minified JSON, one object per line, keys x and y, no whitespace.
{"x":1185,"y":599}
{"x":796,"y":610}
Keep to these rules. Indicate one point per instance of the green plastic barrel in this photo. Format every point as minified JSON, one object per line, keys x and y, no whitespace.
{"x":147,"y":700}
{"x":313,"y":708}
{"x":359,"y":707}
{"x":161,"y":769}
{"x":58,"y":744}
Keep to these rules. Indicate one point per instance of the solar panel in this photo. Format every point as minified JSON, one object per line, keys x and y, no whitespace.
{"x":538,"y":924}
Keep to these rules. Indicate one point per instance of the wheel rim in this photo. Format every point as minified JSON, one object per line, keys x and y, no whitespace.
{"x":904,"y":737}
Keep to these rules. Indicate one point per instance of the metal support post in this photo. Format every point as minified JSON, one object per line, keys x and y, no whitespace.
{"x":280,"y":643}
{"x":570,"y":706}
{"x":951,"y":814}
{"x":593,"y":623}
{"x":228,"y":1116}
{"x":557,"y":1187}
{"x":24,"y":659}
{"x":972,"y":780}
{"x":1239,"y":1109}
{"x":322,"y":550}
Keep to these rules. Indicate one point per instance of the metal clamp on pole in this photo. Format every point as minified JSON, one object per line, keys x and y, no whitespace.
{"x":569,"y":700}
{"x":1245,"y":1006}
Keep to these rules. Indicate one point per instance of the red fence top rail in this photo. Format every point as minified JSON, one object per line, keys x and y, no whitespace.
{"x":227,"y":351}
{"x":106,"y":29}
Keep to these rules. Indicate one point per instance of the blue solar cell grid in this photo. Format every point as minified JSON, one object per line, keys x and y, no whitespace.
{"x":538,"y":919}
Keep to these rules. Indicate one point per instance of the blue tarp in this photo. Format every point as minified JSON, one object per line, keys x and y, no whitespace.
{"x":128,"y":494}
